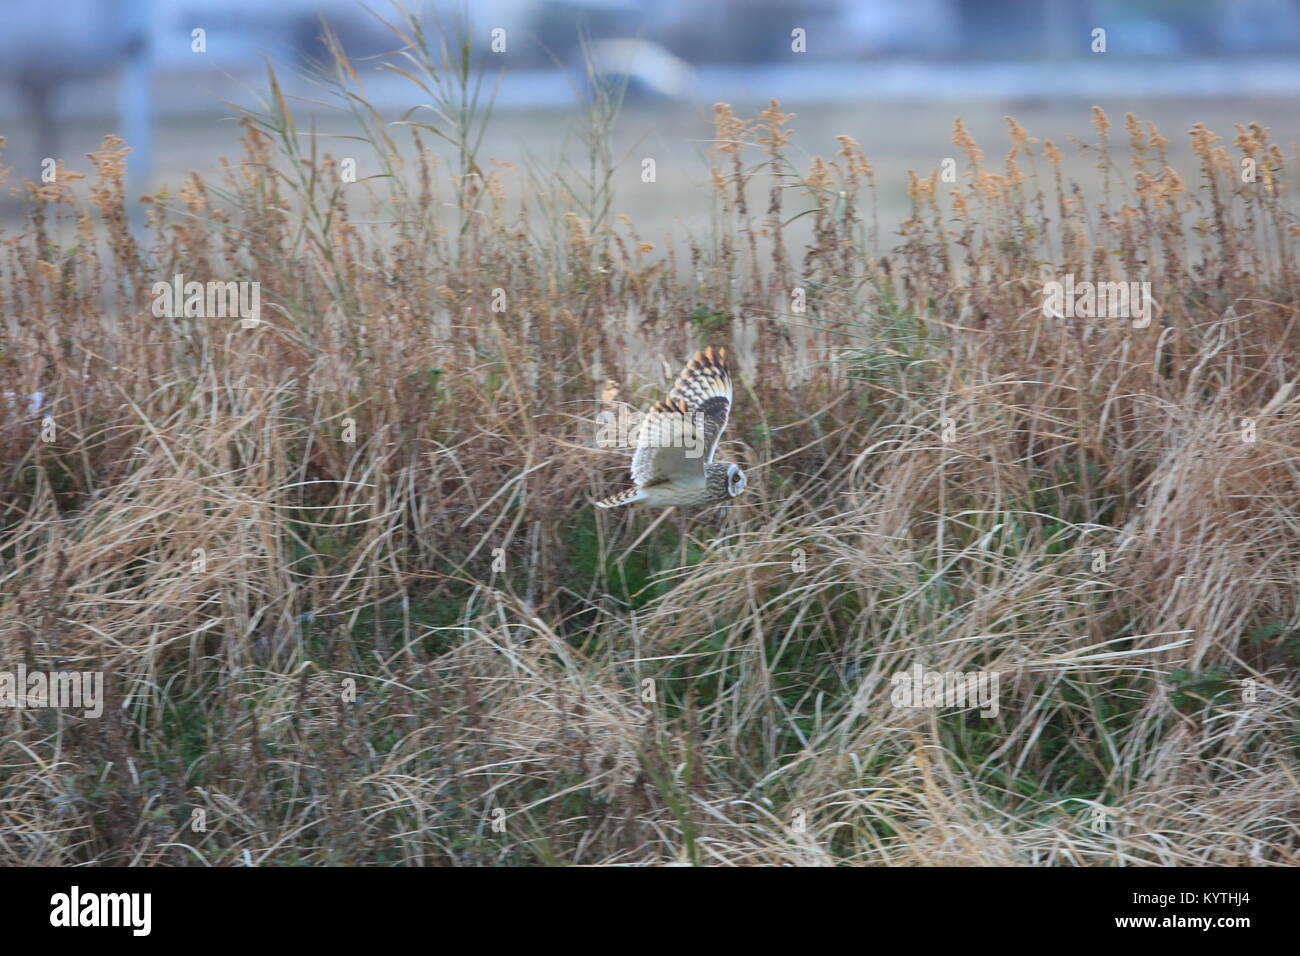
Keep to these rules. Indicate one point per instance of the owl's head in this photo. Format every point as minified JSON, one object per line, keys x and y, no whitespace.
{"x":735,"y":480}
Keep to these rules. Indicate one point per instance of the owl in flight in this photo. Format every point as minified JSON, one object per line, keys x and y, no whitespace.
{"x":673,"y":463}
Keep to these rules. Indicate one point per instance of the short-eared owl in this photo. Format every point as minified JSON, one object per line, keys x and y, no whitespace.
{"x":673,"y":463}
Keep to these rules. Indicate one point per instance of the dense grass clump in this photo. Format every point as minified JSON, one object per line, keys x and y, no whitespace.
{"x":343,"y":576}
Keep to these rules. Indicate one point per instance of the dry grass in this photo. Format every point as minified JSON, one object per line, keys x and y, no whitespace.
{"x":716,"y":692}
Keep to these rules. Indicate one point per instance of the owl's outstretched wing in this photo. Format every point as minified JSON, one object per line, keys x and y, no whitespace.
{"x":705,"y":387}
{"x":680,"y":433}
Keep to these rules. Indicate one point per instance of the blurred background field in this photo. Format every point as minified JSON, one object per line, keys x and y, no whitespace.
{"x":896,"y":137}
{"x":890,"y":73}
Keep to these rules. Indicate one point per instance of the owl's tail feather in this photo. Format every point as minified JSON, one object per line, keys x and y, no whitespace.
{"x":625,"y":497}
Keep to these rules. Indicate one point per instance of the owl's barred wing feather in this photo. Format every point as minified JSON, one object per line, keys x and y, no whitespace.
{"x":625,"y":497}
{"x":680,"y":433}
{"x":705,"y":387}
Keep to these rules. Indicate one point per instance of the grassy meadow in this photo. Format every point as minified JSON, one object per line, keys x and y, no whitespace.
{"x":353,"y":605}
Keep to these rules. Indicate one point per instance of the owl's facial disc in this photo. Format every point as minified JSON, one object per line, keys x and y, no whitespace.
{"x":735,"y":480}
